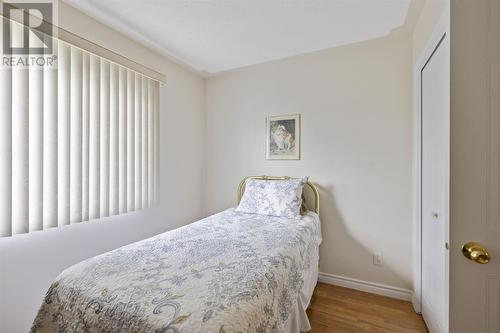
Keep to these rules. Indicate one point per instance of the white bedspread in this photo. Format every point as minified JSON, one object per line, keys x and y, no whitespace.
{"x":230,"y":272}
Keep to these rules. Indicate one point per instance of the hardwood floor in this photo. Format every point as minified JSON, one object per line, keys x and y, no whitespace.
{"x":340,"y":310}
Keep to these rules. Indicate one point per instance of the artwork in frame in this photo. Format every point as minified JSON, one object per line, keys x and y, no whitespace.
{"x":283,"y":137}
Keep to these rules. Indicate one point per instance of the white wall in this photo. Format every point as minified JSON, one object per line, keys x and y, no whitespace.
{"x":356,"y":107}
{"x":28,"y":263}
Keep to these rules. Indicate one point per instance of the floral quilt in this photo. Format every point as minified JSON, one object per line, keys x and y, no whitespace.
{"x":230,"y":272}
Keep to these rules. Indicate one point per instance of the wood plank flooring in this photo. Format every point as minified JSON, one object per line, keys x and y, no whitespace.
{"x":340,"y":310}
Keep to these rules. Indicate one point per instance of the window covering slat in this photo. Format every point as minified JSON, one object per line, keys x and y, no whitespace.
{"x":94,"y":138}
{"x":150,"y":143}
{"x":130,"y":141}
{"x":50,"y":188}
{"x":145,"y":124}
{"x":20,"y":88}
{"x":76,"y":137}
{"x":78,"y":141}
{"x":5,"y":152}
{"x":156,"y":159}
{"x":105,"y":103}
{"x":113,"y":130}
{"x":35,"y":138}
{"x":63,"y":151}
{"x":122,"y":140}
{"x":85,"y":134}
{"x":138,"y":142}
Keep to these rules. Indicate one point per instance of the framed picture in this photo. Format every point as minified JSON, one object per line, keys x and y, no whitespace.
{"x":283,"y":137}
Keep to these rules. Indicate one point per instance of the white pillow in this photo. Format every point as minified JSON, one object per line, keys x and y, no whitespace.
{"x":273,"y":197}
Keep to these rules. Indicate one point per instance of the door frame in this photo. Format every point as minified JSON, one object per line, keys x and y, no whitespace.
{"x":440,"y":35}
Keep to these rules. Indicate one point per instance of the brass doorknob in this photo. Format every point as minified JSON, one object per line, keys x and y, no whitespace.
{"x":476,"y":251}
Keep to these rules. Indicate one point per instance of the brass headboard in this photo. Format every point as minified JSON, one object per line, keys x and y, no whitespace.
{"x":314,"y":189}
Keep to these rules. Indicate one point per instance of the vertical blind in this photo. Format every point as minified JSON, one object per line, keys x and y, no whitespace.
{"x":78,"y":142}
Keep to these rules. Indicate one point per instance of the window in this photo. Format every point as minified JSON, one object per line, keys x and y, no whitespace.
{"x":78,"y":142}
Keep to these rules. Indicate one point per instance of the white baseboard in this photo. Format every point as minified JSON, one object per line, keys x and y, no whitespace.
{"x":370,"y":287}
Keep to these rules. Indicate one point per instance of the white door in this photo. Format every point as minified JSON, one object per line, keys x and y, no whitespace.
{"x":475,"y":165}
{"x":435,"y":146}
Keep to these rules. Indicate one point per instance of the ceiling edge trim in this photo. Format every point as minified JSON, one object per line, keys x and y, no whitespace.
{"x":138,"y":37}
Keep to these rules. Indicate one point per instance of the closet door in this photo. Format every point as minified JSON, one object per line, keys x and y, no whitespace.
{"x":435,"y":141}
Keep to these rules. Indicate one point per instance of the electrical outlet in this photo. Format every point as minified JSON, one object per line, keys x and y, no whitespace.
{"x":377,"y":259}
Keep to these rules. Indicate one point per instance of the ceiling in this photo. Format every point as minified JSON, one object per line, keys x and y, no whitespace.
{"x":217,"y":35}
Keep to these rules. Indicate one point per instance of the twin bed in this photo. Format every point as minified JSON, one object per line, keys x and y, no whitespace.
{"x":234,"y":271}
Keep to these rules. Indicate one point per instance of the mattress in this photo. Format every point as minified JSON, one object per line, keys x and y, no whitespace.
{"x":230,"y":272}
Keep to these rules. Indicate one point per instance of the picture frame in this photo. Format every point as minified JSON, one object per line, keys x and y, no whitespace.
{"x":283,"y":137}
